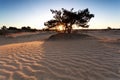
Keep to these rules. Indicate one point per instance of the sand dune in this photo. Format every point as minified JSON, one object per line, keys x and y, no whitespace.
{"x":24,"y":37}
{"x":38,"y":59}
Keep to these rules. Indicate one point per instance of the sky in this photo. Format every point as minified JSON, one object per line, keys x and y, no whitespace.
{"x":34,"y":13}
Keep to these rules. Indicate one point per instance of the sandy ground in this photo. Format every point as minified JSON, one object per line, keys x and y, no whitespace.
{"x":31,"y":57}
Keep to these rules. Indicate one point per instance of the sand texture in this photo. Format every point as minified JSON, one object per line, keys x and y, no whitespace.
{"x":33,"y":58}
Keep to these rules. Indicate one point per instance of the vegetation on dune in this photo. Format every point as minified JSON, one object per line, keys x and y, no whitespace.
{"x":65,"y":19}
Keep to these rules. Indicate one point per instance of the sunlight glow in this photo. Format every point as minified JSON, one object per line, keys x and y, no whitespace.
{"x":60,"y":28}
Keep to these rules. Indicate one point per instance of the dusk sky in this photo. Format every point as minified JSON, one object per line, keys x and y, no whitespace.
{"x":34,"y":13}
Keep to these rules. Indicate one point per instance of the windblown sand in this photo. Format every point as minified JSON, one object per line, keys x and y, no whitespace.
{"x":33,"y":58}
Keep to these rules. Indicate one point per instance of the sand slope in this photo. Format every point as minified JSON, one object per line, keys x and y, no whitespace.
{"x":84,"y":59}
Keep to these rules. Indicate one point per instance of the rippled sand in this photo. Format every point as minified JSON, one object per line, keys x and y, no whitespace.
{"x":84,"y":59}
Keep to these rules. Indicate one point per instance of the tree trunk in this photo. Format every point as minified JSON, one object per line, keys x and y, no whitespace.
{"x":68,"y":29}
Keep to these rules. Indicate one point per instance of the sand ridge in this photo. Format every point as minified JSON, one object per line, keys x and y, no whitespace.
{"x":88,"y":59}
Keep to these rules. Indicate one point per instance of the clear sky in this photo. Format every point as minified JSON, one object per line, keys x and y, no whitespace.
{"x":34,"y":13}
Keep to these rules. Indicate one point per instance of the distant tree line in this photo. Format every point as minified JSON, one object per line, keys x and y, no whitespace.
{"x":4,"y":30}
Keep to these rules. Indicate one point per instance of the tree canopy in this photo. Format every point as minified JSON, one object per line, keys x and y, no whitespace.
{"x":67,"y":18}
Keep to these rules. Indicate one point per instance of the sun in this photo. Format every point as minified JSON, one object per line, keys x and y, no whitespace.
{"x":60,"y":28}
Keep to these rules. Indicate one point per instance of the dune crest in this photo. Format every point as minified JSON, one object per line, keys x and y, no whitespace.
{"x":72,"y":36}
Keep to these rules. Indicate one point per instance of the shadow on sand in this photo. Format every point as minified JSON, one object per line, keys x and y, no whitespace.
{"x":66,"y":36}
